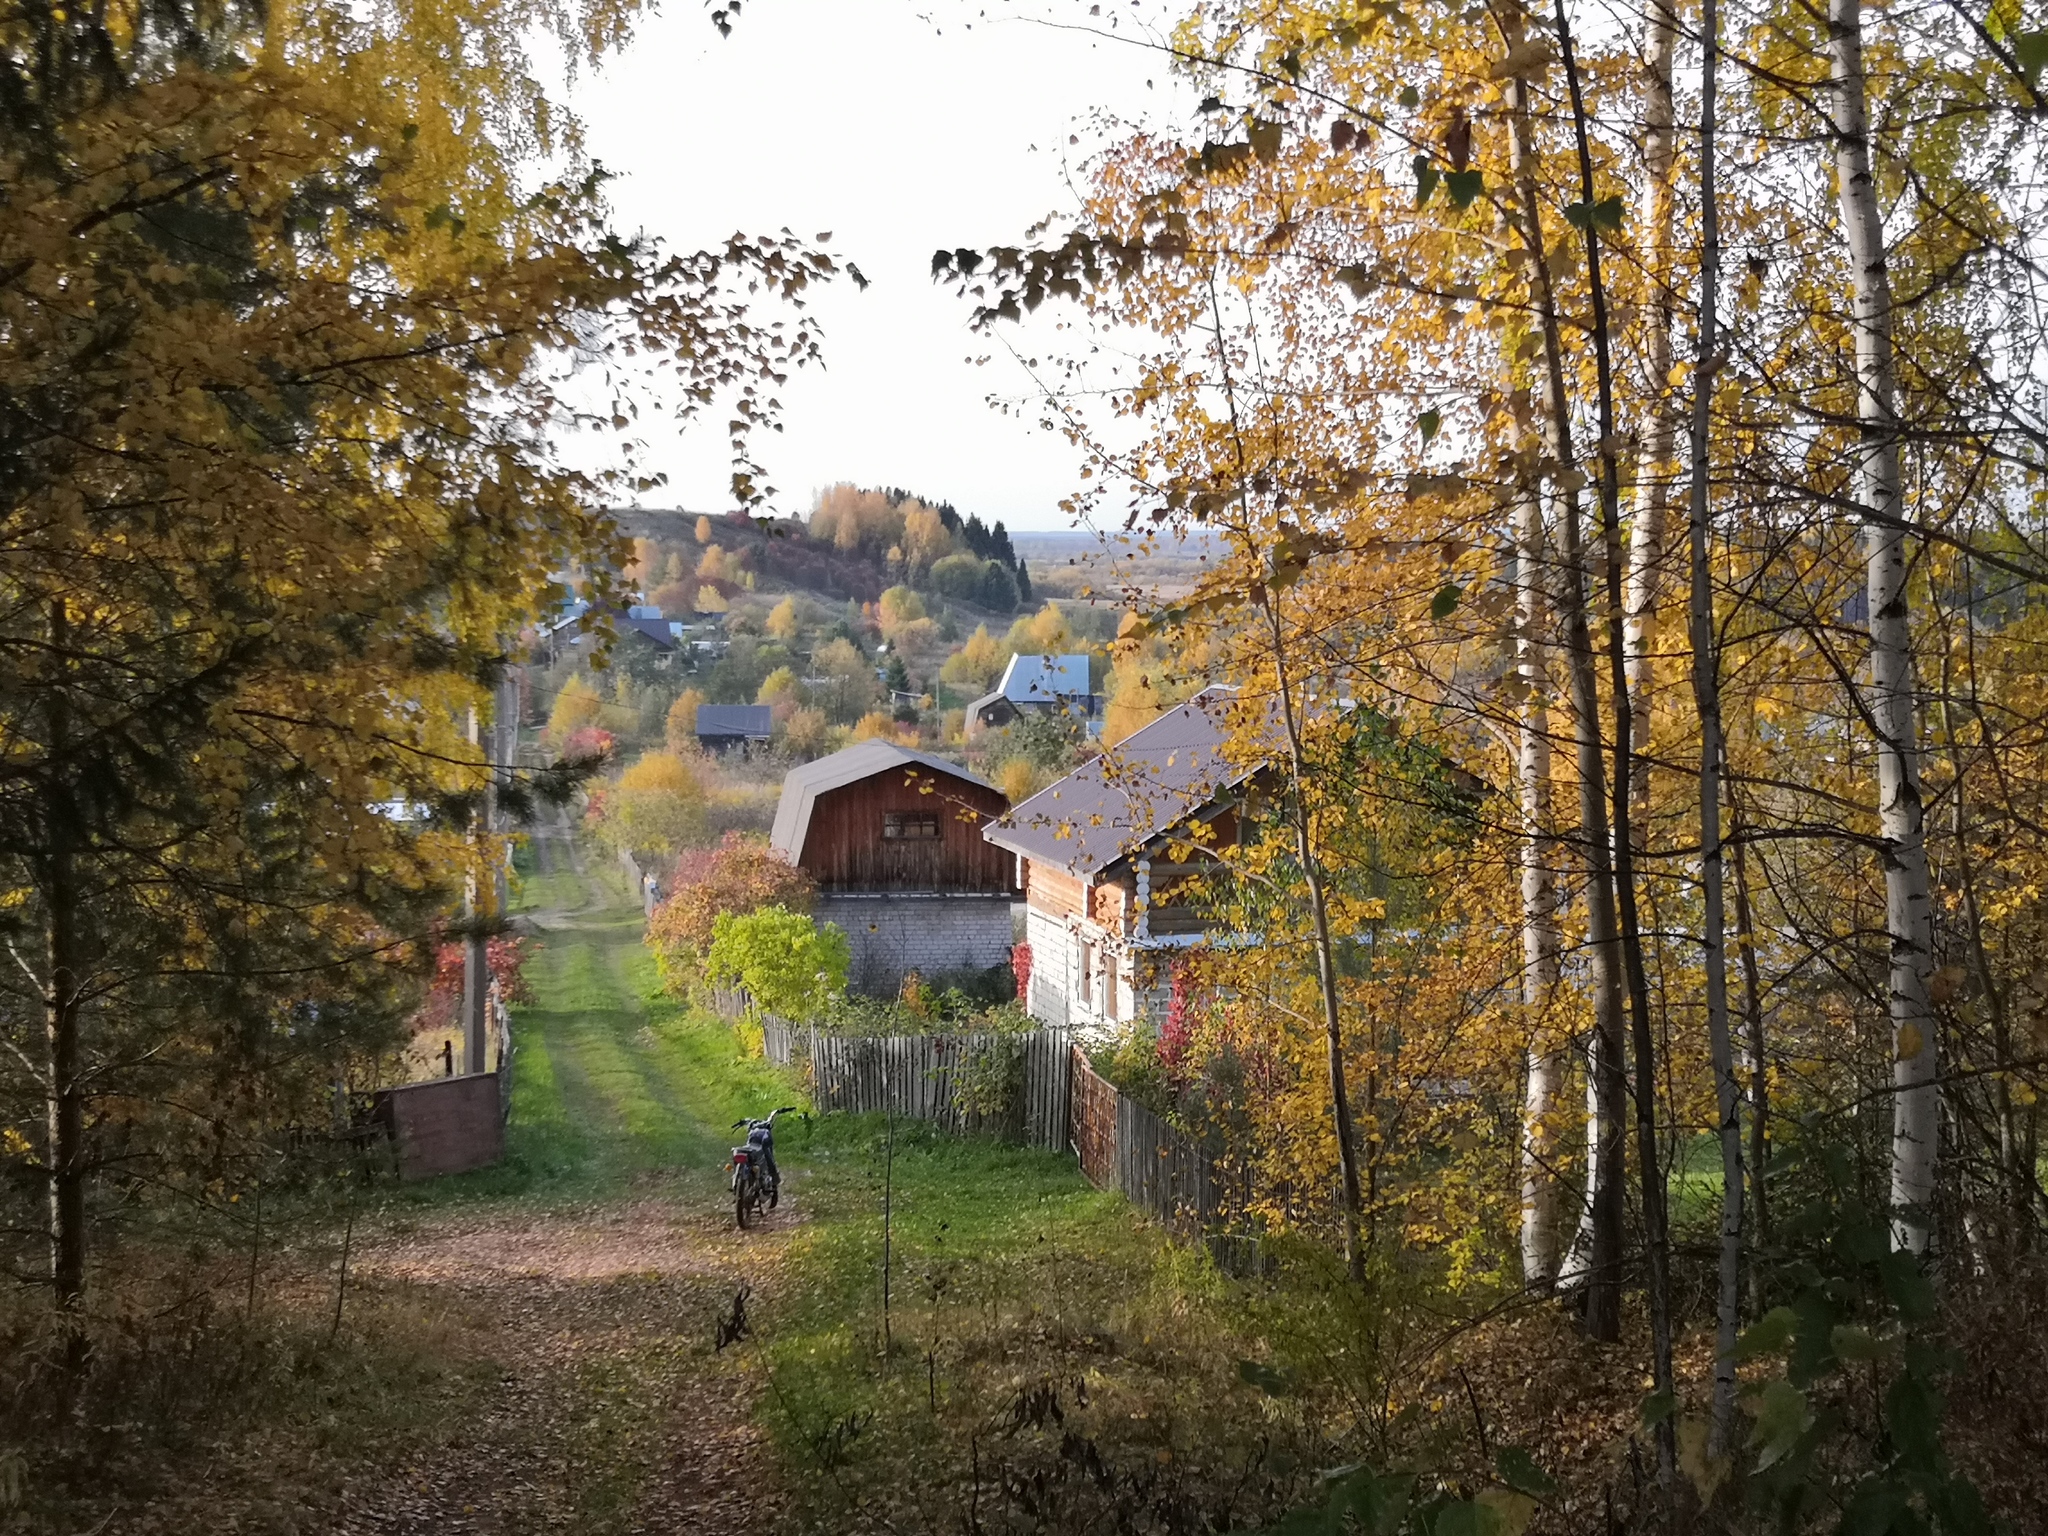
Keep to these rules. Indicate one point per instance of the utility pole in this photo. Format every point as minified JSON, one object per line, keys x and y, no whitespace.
{"x":476,"y":970}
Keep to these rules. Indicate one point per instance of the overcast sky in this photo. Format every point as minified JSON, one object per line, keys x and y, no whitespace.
{"x":900,"y":126}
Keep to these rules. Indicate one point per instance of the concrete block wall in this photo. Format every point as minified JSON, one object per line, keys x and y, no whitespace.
{"x":892,"y":934}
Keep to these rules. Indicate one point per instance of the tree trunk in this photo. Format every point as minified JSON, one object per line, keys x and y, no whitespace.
{"x":1628,"y":931}
{"x":1759,"y":1068}
{"x":1349,"y":1189}
{"x":66,"y":1162}
{"x":1916,"y":1105}
{"x":476,"y":957}
{"x":1608,"y":1087}
{"x":1706,"y":692}
{"x":1643,"y":588}
{"x":1540,"y":940}
{"x":63,"y":952}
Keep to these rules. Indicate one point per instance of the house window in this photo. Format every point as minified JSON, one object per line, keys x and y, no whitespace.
{"x":910,"y":827}
{"x":1087,"y":974}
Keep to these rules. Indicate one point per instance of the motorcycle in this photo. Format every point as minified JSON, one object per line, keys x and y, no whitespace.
{"x":755,"y":1178}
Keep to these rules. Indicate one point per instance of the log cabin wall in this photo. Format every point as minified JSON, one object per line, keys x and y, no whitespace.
{"x":1052,"y":890}
{"x":847,"y":849}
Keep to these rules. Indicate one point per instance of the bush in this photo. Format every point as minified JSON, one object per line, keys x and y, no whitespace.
{"x":740,"y":875}
{"x":789,"y":966}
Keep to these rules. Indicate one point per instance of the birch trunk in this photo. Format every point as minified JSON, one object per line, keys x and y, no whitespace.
{"x":1540,"y":940}
{"x":1628,"y":927}
{"x":1916,"y":1104}
{"x":1607,"y":1087}
{"x":1706,"y":691}
{"x":1643,"y":588}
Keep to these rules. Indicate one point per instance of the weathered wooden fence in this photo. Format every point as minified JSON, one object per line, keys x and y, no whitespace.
{"x":1042,"y":1092}
{"x":1158,"y":1168}
{"x":1007,"y":1085}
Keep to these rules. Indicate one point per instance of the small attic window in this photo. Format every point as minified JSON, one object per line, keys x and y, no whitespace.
{"x":910,"y":827}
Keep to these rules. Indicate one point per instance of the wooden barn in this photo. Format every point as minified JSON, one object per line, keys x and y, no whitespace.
{"x":894,"y":839}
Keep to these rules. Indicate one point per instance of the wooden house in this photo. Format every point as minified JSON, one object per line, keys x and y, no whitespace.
{"x":1112,"y":859}
{"x":893,"y":838}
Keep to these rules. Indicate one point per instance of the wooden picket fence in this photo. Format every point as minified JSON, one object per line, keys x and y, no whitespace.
{"x":1024,"y":1079}
{"x":1056,"y":1100}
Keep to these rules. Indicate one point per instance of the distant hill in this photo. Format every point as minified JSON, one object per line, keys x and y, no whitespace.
{"x":1070,"y":564}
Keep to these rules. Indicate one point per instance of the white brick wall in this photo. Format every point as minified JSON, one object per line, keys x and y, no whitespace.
{"x":896,"y":933}
{"x":1056,"y":948}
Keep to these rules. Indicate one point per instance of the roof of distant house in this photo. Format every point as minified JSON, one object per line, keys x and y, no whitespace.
{"x":1149,"y":782}
{"x":802,"y":786}
{"x":756,"y":722}
{"x":1042,"y":679}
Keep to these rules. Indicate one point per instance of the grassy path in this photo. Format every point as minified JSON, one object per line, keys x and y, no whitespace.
{"x":591,"y":1266}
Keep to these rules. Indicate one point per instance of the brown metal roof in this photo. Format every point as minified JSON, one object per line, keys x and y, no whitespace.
{"x":1149,"y":782}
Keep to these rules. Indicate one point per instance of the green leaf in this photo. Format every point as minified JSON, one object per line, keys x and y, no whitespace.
{"x":1425,"y":179}
{"x":1768,"y":1335}
{"x":1466,"y":1518}
{"x":1857,"y":1344}
{"x":1782,"y":1416}
{"x":1265,"y":139}
{"x":1658,"y":1407}
{"x":1874,"y":1508}
{"x":1427,"y":423}
{"x":2031,"y":49}
{"x":1377,"y":1505}
{"x":1464,"y":186}
{"x":1518,"y":1469}
{"x":1410,"y":97}
{"x":1446,"y":601}
{"x":1605,"y":214}
{"x":1356,"y":279}
{"x":1273,"y":1380}
{"x":1906,"y":1287}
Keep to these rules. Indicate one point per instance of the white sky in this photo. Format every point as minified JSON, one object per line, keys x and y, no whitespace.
{"x":900,"y":126}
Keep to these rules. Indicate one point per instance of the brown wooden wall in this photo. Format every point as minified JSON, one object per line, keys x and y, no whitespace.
{"x":845,"y":850}
{"x":1052,"y":890}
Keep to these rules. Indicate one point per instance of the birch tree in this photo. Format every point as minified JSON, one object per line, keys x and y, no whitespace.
{"x":1916,"y":1109}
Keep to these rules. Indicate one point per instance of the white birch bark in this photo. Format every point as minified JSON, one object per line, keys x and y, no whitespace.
{"x":1596,"y":1264}
{"x":1541,"y":944}
{"x":1916,"y":1104}
{"x":1649,"y":528}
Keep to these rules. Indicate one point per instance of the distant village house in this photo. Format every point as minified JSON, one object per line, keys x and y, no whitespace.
{"x":1035,"y":685}
{"x":725,"y":728}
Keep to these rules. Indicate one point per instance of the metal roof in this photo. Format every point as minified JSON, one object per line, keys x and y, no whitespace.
{"x":1152,"y":780}
{"x":1035,"y":679}
{"x":755,"y":721}
{"x":802,"y":786}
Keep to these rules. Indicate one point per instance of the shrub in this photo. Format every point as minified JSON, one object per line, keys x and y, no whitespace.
{"x":789,"y":966}
{"x":740,"y":875}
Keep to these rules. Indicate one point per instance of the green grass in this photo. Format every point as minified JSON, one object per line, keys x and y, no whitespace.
{"x":1007,"y":1270}
{"x":613,"y":1083}
{"x":1007,"y":1267}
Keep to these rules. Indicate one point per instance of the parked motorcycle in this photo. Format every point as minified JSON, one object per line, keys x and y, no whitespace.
{"x":755,"y":1178}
